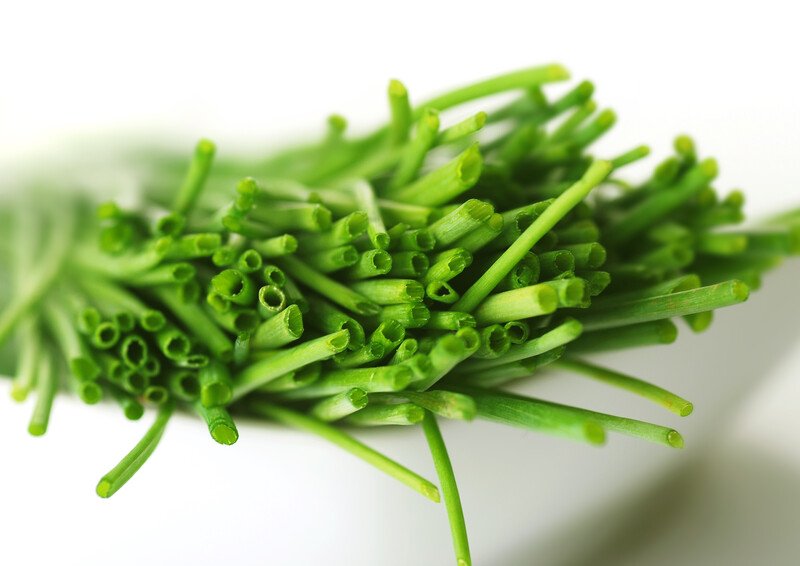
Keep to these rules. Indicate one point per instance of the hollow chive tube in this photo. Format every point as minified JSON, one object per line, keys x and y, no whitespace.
{"x":220,"y":424}
{"x":662,"y":397}
{"x":215,"y":385}
{"x":412,"y":215}
{"x":447,"y":265}
{"x":404,"y":351}
{"x":367,"y":354}
{"x":463,"y":129}
{"x":667,"y":306}
{"x":414,"y":153}
{"x":389,"y":333}
{"x":131,"y":407}
{"x":342,"y":232}
{"x":155,"y":394}
{"x":520,"y":276}
{"x":46,"y":386}
{"x":631,"y":156}
{"x":482,"y":235}
{"x":596,"y":281}
{"x":271,"y":301}
{"x":408,"y":315}
{"x":281,"y":329}
{"x":445,"y":183}
{"x":670,"y":257}
{"x":301,"y":377}
{"x":494,"y":342}
{"x":184,"y":384}
{"x":294,"y":216}
{"x":387,"y":415}
{"x":342,"y":295}
{"x":328,"y":319}
{"x":133,"y":350}
{"x":501,"y":375}
{"x":579,"y":232}
{"x":225,"y":256}
{"x":587,"y":256}
{"x":371,"y":263}
{"x":371,"y":379}
{"x":80,"y":360}
{"x":448,"y":351}
{"x":168,"y":274}
{"x":596,"y":173}
{"x":400,"y":112}
{"x":420,"y":240}
{"x":517,"y":330}
{"x":173,"y":343}
{"x":272,"y":275}
{"x":111,"y":482}
{"x":366,"y":201}
{"x":450,"y":320}
{"x":518,"y":304}
{"x":276,"y":246}
{"x":408,"y":265}
{"x":195,"y":178}
{"x":30,"y":349}
{"x":113,"y":298}
{"x":337,"y":407}
{"x":333,"y":259}
{"x":460,"y":222}
{"x":570,"y":292}
{"x":562,"y":334}
{"x":193,"y":246}
{"x":193,"y":317}
{"x":389,"y":291}
{"x":552,"y":264}
{"x":236,"y":319}
{"x":659,"y":204}
{"x":441,"y":292}
{"x":631,"y":336}
{"x":249,"y":261}
{"x":447,"y":479}
{"x":348,"y":443}
{"x":235,"y":286}
{"x":283,"y":361}
{"x":87,"y":320}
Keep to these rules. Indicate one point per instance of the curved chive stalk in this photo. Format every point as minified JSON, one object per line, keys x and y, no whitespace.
{"x":460,"y":222}
{"x":409,"y":264}
{"x":447,"y":479}
{"x":271,"y":301}
{"x":333,"y":259}
{"x":409,"y":315}
{"x":219,"y":422}
{"x":46,"y":386}
{"x":81,"y":362}
{"x":132,"y":408}
{"x":277,"y":246}
{"x":365,"y":200}
{"x":632,"y":336}
{"x":215,"y":385}
{"x":328,"y":288}
{"x":281,"y":329}
{"x":670,"y":401}
{"x":383,"y":415}
{"x":195,"y":177}
{"x":372,"y":379}
{"x":348,"y":443}
{"x":518,"y":304}
{"x":28,"y":362}
{"x":184,"y":385}
{"x":441,"y":292}
{"x":340,"y":405}
{"x":371,"y":264}
{"x":342,"y":232}
{"x":111,"y":482}
{"x":415,"y":151}
{"x":164,"y":275}
{"x":283,"y":361}
{"x":667,"y":306}
{"x":450,"y":320}
{"x":445,"y":183}
{"x":329,"y":319}
{"x":596,"y":173}
{"x":390,"y":291}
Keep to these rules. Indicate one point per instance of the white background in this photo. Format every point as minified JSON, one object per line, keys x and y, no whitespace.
{"x":262,"y":74}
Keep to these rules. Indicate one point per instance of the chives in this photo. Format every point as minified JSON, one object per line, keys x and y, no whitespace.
{"x":189,"y":247}
{"x":483,"y":235}
{"x":390,"y":291}
{"x":416,"y":240}
{"x":30,"y":345}
{"x":81,"y":363}
{"x":400,"y":109}
{"x":329,"y":319}
{"x":450,"y":320}
{"x":173,"y":343}
{"x":271,"y":301}
{"x":372,"y":379}
{"x":184,"y":385}
{"x":448,"y":352}
{"x":368,"y":353}
{"x":389,"y":333}
{"x":415,"y":151}
{"x":296,"y":379}
{"x":518,"y":331}
{"x":281,"y":329}
{"x":408,"y":264}
{"x":291,"y":216}
{"x":553,"y":264}
{"x":382,"y":415}
{"x":333,"y":259}
{"x":273,"y":276}
{"x":337,"y":407}
{"x":342,"y":232}
{"x":111,"y":482}
{"x":463,"y":220}
{"x":631,"y":336}
{"x":441,"y":292}
{"x":277,"y":246}
{"x":587,"y":256}
{"x":46,"y":386}
{"x":195,"y":177}
{"x":365,"y":199}
{"x":236,"y":319}
{"x":448,"y":265}
{"x":371,"y":264}
{"x":405,"y":351}
{"x":132,"y":409}
{"x":518,"y":304}
{"x":463,"y":129}
{"x":164,"y":275}
{"x":408,"y":315}
{"x":348,"y":443}
{"x":495,"y":342}
{"x":235,"y":286}
{"x":220,"y":424}
{"x":570,"y":292}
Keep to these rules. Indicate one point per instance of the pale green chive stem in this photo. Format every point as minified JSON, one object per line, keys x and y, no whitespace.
{"x":30,"y":350}
{"x":517,"y":304}
{"x":339,"y":406}
{"x":195,"y":177}
{"x":463,"y":220}
{"x":400,"y":112}
{"x":631,"y":336}
{"x":463,"y":129}
{"x":281,"y":329}
{"x":415,"y":151}
{"x":219,"y":422}
{"x":46,"y":386}
{"x":387,"y":415}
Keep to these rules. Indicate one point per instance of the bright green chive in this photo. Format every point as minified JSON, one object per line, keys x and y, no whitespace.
{"x":534,"y":300}
{"x":215,"y":385}
{"x":271,"y":301}
{"x":441,"y":292}
{"x":184,"y":385}
{"x":349,"y":298}
{"x":443,"y":403}
{"x":234,"y":286}
{"x":408,"y":264}
{"x":389,"y":291}
{"x":592,"y":131}
{"x":370,"y":379}
{"x":333,"y":259}
{"x":292,"y":216}
{"x":596,"y":281}
{"x":383,"y":415}
{"x":301,"y":377}
{"x":124,"y":321}
{"x":518,"y":331}
{"x":669,"y":257}
{"x":579,"y":232}
{"x":219,"y":422}
{"x":415,"y":151}
{"x":587,"y":256}
{"x":289,"y":359}
{"x":483,"y":235}
{"x":273,"y":276}
{"x":156,"y":394}
{"x":168,"y":274}
{"x":366,"y":201}
{"x":631,"y":156}
{"x":463,"y":129}
{"x":131,"y":407}
{"x":87,"y":320}
{"x":130,"y":464}
{"x":348,"y":443}
{"x":134,"y":351}
{"x":342,"y":232}
{"x":249,"y":261}
{"x":189,"y":247}
{"x":447,"y":479}
{"x":371,"y":263}
{"x":277,"y":246}
{"x":674,"y":285}
{"x":463,"y":220}
{"x":494,"y":342}
{"x":81,"y":362}
{"x":105,"y":335}
{"x":544,"y":223}
{"x":450,"y":320}
{"x":189,"y":291}
{"x":667,"y":306}
{"x":337,"y":407}
{"x":28,"y":362}
{"x":785,"y":242}
{"x":390,"y":333}
{"x":447,"y":265}
{"x":552,"y":264}
{"x":420,"y":240}
{"x":408,"y":315}
{"x":328,"y":319}
{"x":448,"y":352}
{"x":173,"y":343}
{"x":670,"y":401}
{"x":195,"y":178}
{"x":571,"y":292}
{"x":405,"y":351}
{"x":631,"y":336}
{"x":445,"y":183}
{"x":400,"y":111}
{"x":281,"y":329}
{"x":236,"y":319}
{"x":89,"y":392}
{"x":367,"y":354}
{"x":46,"y":386}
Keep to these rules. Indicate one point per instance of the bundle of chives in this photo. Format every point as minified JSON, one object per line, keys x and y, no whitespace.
{"x":367,"y":281}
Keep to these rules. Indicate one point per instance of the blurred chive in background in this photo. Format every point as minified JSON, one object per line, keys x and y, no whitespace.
{"x":85,"y":80}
